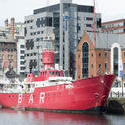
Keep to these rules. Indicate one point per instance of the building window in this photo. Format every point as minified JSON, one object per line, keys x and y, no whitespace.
{"x":124,"y":54}
{"x":28,"y":21}
{"x":38,"y":32}
{"x":115,"y":64}
{"x":31,"y":27}
{"x":12,"y":50}
{"x":85,"y":60}
{"x":1,"y":64}
{"x":106,"y":54}
{"x":99,"y":65}
{"x":8,"y":50}
{"x":106,"y":65}
{"x":21,"y":57}
{"x":88,"y":25}
{"x":79,"y":28}
{"x":99,"y":54}
{"x":91,"y":65}
{"x":98,"y":22}
{"x":124,"y":76}
{"x":41,"y":38}
{"x":22,"y":68}
{"x":92,"y":54}
{"x":22,"y":62}
{"x":31,"y":21}
{"x":37,"y":39}
{"x":22,"y":51}
{"x":89,"y":18}
{"x":22,"y":46}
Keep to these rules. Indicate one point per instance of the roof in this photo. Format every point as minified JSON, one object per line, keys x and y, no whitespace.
{"x":104,"y":40}
{"x":56,"y":7}
{"x":113,"y":21}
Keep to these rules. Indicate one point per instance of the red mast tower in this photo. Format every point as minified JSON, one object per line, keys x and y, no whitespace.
{"x":48,"y":59}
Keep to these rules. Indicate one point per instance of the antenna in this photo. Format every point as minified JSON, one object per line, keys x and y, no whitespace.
{"x":95,"y":35}
{"x":94,"y":25}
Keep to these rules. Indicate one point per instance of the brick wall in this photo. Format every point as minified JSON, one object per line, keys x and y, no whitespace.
{"x":97,"y":59}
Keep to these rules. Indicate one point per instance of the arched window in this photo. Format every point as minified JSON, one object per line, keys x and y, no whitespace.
{"x":85,"y":60}
{"x":115,"y":58}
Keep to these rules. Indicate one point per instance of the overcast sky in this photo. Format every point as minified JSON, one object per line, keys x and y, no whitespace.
{"x":110,"y":9}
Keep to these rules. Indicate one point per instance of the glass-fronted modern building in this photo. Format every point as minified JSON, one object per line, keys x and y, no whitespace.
{"x":67,"y":22}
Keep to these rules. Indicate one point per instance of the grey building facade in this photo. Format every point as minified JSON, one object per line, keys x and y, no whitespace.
{"x":66,"y":22}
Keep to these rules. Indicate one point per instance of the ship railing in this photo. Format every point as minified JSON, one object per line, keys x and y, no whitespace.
{"x":50,"y":83}
{"x":9,"y":81}
{"x":10,"y":91}
{"x":117,"y":92}
{"x":60,"y":79}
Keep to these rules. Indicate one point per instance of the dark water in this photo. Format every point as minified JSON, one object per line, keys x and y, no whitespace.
{"x":12,"y":117}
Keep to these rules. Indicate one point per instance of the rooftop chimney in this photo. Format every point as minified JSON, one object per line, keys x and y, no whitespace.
{"x":12,"y":30}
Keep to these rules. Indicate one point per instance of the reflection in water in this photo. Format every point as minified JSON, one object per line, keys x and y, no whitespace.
{"x":11,"y":117}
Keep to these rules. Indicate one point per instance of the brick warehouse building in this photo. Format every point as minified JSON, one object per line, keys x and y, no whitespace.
{"x":102,"y":59}
{"x":8,"y":56}
{"x":13,"y":33}
{"x":115,"y":26}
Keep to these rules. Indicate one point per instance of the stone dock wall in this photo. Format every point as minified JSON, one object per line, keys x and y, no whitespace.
{"x":115,"y":106}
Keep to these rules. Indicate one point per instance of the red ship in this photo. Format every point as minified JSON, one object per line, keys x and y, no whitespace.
{"x":50,"y":90}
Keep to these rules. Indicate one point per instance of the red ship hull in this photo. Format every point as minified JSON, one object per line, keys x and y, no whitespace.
{"x":80,"y":95}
